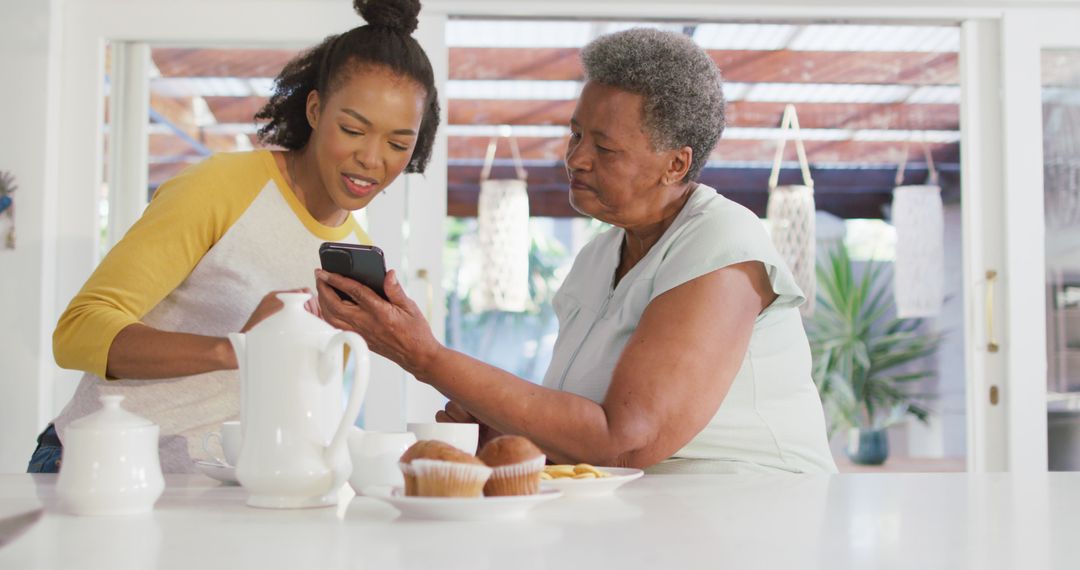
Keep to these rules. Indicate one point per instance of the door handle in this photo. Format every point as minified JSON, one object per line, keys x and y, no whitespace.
{"x":991,"y":342}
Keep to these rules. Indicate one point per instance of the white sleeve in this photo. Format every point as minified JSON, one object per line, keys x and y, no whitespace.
{"x":721,"y":237}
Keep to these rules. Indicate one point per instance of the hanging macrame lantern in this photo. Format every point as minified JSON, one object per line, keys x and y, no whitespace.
{"x":503,"y":238}
{"x":919,"y":267}
{"x":791,"y":214}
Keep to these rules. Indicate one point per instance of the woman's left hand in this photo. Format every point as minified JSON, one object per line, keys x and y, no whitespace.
{"x":396,"y":329}
{"x":456,"y":413}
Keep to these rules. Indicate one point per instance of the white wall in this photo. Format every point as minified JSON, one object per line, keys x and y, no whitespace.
{"x":29,"y":65}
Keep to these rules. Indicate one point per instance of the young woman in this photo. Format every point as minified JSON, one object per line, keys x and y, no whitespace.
{"x":352,"y":114}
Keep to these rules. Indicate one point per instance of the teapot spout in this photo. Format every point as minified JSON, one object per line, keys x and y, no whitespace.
{"x":238,"y":344}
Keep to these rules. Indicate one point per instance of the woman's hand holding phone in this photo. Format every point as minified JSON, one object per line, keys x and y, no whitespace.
{"x":362,"y":263}
{"x":394,"y":328}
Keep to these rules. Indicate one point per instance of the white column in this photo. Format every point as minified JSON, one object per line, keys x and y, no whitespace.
{"x":129,"y":110}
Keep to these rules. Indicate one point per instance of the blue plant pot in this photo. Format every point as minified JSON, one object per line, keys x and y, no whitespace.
{"x":867,"y":446}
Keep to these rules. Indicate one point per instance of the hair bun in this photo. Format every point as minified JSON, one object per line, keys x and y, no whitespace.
{"x":397,"y":15}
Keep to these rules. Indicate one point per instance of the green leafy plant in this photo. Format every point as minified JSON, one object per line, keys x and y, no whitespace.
{"x":862,"y":356}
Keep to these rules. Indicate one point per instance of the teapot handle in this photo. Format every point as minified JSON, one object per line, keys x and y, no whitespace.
{"x":361,"y":376}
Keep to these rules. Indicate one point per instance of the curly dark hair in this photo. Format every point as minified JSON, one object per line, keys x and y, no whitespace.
{"x":385,"y":41}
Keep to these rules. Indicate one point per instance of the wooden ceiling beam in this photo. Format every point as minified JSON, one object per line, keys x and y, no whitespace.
{"x":945,"y":117}
{"x":160,"y":172}
{"x":235,"y":109}
{"x":885,"y":116}
{"x":171,"y":146}
{"x":180,"y":111}
{"x":879,"y":68}
{"x":550,"y":64}
{"x":751,"y":66}
{"x":510,"y":112}
{"x":200,"y":62}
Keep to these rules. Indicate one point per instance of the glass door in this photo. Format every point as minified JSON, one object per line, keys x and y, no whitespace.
{"x":1060,"y":96}
{"x":1036,"y":337}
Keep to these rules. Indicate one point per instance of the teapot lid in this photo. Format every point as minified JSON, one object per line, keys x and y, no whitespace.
{"x":111,"y":417}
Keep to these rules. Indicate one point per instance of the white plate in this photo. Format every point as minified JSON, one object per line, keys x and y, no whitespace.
{"x":219,"y":471}
{"x":460,"y":509}
{"x":592,"y":487}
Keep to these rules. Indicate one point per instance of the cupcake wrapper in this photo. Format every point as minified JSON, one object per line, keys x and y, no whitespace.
{"x":517,"y":479}
{"x":534,"y":465}
{"x":449,"y":479}
{"x":410,"y":479}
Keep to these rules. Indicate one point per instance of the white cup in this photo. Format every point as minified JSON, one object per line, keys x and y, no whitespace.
{"x":461,"y":436}
{"x":229,"y":441}
{"x":375,"y":457}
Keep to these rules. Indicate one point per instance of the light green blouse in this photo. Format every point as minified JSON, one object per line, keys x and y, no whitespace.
{"x":771,"y":418}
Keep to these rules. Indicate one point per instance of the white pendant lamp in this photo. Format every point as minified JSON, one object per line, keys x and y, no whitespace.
{"x":919,"y":268}
{"x":503,"y":221}
{"x":791,"y":214}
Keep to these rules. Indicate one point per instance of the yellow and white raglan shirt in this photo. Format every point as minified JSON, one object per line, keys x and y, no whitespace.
{"x":212,"y":242}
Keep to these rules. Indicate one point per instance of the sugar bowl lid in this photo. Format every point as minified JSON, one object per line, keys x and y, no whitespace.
{"x":111,"y":417}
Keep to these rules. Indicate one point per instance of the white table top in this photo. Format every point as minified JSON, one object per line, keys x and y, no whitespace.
{"x":920,"y":521}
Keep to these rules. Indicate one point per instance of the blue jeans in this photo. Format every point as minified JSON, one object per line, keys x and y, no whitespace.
{"x":46,"y":458}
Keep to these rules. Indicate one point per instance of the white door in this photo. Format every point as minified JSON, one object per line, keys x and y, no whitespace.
{"x":132,"y":26}
{"x":1020,"y":231}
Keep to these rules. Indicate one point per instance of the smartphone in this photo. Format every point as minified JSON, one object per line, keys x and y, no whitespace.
{"x":363,"y":263}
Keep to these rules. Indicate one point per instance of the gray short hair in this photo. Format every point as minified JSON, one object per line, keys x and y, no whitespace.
{"x":680,"y":84}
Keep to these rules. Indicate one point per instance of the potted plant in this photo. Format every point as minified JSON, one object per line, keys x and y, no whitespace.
{"x":859,"y":356}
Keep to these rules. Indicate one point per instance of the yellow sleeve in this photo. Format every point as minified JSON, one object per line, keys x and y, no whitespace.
{"x":186,"y":217}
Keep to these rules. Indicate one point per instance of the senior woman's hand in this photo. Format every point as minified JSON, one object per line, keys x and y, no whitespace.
{"x":396,"y":329}
{"x":455,"y":413}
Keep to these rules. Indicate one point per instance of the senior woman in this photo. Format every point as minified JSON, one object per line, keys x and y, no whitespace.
{"x":680,"y":346}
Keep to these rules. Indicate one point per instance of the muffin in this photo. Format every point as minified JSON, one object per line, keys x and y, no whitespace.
{"x":405,"y":463}
{"x":516,"y":465}
{"x":436,"y":469}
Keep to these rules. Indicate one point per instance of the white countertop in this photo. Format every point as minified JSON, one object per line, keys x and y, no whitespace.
{"x":919,"y":521}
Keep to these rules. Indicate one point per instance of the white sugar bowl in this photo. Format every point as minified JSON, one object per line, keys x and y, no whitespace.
{"x":110,"y":464}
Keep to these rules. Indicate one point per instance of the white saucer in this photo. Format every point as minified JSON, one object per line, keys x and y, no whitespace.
{"x":593,"y":487}
{"x":220,"y":471}
{"x":460,"y":509}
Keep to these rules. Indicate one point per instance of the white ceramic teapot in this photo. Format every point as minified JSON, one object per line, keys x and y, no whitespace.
{"x":294,"y":435}
{"x":111,"y":464}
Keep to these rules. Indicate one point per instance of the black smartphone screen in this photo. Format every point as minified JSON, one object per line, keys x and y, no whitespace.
{"x":363,"y":263}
